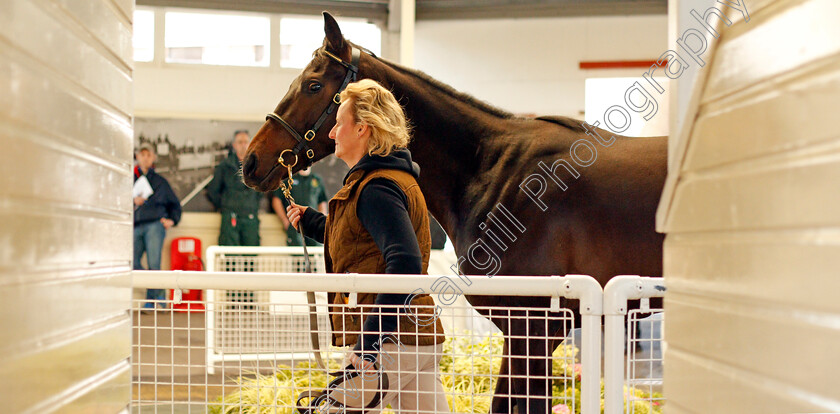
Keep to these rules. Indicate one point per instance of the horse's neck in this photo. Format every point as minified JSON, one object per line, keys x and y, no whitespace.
{"x":449,"y":136}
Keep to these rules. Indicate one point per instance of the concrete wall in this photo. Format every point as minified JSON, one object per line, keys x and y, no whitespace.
{"x":65,"y":206}
{"x":750,"y":211}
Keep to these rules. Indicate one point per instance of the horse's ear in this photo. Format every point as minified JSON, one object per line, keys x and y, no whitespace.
{"x":332,"y":34}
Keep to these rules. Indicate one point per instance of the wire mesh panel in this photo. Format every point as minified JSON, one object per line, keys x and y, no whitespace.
{"x":243,"y":324}
{"x":643,"y":379}
{"x":459,"y":374}
{"x":441,"y":358}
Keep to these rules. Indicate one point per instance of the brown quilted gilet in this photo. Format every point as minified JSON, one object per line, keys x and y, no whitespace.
{"x":349,"y":248}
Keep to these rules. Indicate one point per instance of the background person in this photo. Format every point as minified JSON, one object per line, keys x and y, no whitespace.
{"x":154,"y":213}
{"x":379,"y":223}
{"x":237,"y":203}
{"x":307,"y":190}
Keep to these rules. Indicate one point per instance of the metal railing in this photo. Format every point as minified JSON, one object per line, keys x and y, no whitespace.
{"x":251,"y":348}
{"x":162,"y":372}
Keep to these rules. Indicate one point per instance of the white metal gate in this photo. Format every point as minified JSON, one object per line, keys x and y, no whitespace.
{"x":253,"y":366}
{"x":251,"y":348}
{"x":252,"y":324}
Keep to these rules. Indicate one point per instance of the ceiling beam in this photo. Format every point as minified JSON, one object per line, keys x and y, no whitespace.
{"x":374,"y":10}
{"x":471,"y":9}
{"x":377,"y":10}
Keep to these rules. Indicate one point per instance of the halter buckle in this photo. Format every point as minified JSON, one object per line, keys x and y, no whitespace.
{"x":309,"y":135}
{"x":337,"y":98}
{"x":310,"y":153}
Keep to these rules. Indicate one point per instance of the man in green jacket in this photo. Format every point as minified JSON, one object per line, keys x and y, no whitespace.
{"x":238,"y":204}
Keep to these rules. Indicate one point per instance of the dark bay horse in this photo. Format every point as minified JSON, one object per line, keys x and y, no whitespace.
{"x":546,"y":196}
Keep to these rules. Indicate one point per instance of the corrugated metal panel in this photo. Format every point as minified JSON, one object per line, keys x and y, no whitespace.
{"x":65,"y":242}
{"x":753,"y":243}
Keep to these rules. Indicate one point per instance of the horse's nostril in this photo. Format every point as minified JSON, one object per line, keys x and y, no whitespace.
{"x":250,"y":165}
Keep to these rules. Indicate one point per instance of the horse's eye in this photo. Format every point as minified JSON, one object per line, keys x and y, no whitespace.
{"x":314,"y":87}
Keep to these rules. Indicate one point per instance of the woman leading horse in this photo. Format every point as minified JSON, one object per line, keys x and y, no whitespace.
{"x":378,"y":223}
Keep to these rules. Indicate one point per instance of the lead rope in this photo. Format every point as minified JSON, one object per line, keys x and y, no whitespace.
{"x":310,"y":296}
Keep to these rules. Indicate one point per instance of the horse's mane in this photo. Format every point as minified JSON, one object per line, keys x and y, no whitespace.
{"x":461,"y":96}
{"x":571,"y":123}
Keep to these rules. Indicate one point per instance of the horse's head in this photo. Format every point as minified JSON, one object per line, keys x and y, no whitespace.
{"x":296,"y":133}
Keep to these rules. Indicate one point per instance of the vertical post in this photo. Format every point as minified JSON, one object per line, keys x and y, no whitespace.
{"x":210,"y":312}
{"x":274,"y":43}
{"x":617,"y":292}
{"x":589,"y":292}
{"x":159,"y":56}
{"x":613,"y":363}
{"x":407,"y":33}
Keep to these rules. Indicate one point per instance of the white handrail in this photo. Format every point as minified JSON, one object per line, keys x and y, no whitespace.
{"x":544,"y":286}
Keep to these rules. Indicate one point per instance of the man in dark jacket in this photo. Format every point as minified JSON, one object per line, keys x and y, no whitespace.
{"x":156,"y":209}
{"x":238,"y":204}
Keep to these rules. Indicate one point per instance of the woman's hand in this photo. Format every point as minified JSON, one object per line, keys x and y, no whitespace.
{"x":295,"y":212}
{"x":360,"y":363}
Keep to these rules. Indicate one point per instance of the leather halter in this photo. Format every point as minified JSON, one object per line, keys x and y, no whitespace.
{"x":302,"y":145}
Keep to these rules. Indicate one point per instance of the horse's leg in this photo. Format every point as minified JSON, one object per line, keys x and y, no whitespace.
{"x":531,"y":364}
{"x":501,"y":395}
{"x":502,"y":403}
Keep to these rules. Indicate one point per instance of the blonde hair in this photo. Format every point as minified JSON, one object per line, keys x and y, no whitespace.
{"x":376,"y":107}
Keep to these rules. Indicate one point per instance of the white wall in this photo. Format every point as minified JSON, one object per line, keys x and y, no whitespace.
{"x":522,"y":65}
{"x":531,"y":65}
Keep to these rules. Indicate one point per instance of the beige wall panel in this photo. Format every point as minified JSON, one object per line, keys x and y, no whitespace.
{"x":705,"y":388}
{"x":759,"y":122}
{"x":730,"y":328}
{"x":65,"y":370}
{"x":126,"y":7}
{"x":106,"y":23}
{"x":95,"y":187}
{"x":762,"y":195}
{"x":52,"y":39}
{"x":41,"y":102}
{"x":754,"y":6}
{"x":753,"y":243}
{"x":43,"y":235}
{"x":107,"y":398}
{"x":59,"y":305}
{"x":769,"y":266}
{"x":65,"y":243}
{"x":754,"y":53}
